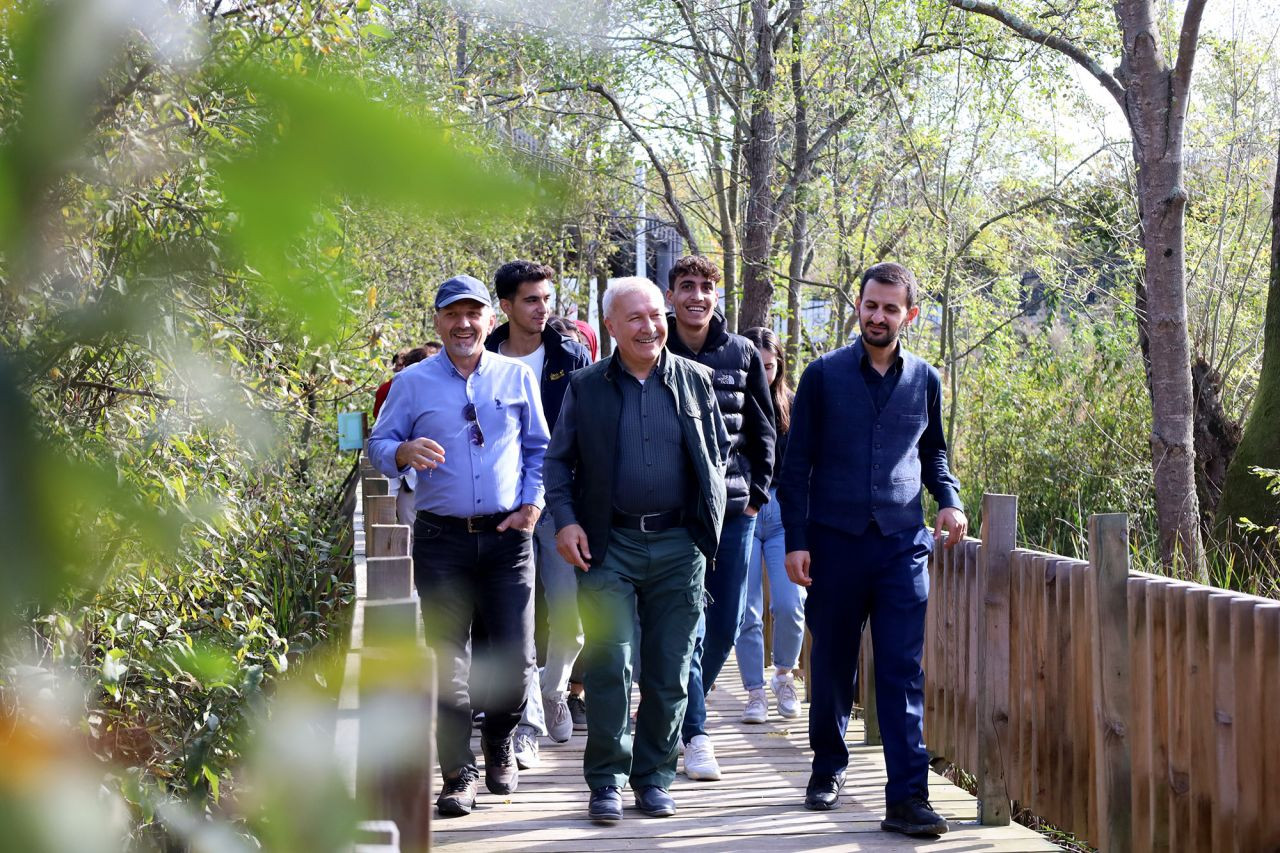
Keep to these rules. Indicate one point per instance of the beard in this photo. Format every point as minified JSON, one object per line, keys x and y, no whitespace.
{"x":881,"y":337}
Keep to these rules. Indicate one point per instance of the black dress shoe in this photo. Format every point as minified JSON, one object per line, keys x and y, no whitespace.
{"x":655,"y":802}
{"x":823,"y":793}
{"x":459,"y":795}
{"x":606,"y":805}
{"x":913,"y":817}
{"x":500,"y":772}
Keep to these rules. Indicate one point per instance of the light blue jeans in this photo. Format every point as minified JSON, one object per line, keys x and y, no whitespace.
{"x":786,"y":602}
{"x":564,"y":628}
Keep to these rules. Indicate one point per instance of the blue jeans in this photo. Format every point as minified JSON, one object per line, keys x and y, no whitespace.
{"x":885,"y":579}
{"x":564,"y":628}
{"x":786,"y":602}
{"x":718,"y":627}
{"x":465,"y":580}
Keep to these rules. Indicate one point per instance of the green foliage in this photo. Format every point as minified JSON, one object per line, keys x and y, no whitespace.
{"x":192,"y":249}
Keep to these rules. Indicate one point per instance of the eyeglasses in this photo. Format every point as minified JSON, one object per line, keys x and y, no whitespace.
{"x":477,"y":434}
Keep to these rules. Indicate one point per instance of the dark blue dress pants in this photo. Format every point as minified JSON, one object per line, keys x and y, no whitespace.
{"x":884,"y":579}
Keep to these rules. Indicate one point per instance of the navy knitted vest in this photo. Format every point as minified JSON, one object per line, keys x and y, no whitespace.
{"x":870,"y":466}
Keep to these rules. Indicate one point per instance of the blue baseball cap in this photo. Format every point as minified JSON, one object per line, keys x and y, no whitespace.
{"x":462,"y":287}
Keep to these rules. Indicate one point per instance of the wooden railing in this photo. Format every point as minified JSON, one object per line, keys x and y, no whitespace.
{"x":1135,"y":712}
{"x":386,"y":726}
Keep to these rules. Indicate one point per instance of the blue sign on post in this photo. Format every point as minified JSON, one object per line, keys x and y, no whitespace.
{"x":351,"y":430}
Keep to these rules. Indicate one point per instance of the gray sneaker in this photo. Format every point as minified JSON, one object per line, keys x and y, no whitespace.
{"x":526,"y":747}
{"x":559,"y":723}
{"x":757,"y":710}
{"x":784,"y":688}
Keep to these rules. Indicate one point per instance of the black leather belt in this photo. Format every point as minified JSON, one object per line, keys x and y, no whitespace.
{"x":652,"y":522}
{"x":472,"y":524}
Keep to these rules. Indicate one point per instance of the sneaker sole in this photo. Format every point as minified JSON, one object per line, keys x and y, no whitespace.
{"x":501,"y":790}
{"x":702,"y":776}
{"x":753,"y":721}
{"x":915,"y":830}
{"x":452,"y":808}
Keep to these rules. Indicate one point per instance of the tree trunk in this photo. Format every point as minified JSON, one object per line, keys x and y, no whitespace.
{"x":1217,"y":437}
{"x":761,"y":150}
{"x":800,"y":179}
{"x":1162,"y":201}
{"x":1244,"y":494}
{"x":602,"y":282}
{"x":728,"y":228}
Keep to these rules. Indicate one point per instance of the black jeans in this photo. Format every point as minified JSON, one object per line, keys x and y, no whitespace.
{"x":465,"y":579}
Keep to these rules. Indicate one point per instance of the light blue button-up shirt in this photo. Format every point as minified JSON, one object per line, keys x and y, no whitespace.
{"x":427,"y":400}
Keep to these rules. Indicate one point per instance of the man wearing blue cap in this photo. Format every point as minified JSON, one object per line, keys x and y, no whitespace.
{"x":471,"y":423}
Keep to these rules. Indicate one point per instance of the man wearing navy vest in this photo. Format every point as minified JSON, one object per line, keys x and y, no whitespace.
{"x":866,"y":438}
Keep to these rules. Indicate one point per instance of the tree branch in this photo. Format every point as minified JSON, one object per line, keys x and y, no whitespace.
{"x":1188,"y":38}
{"x":673,"y":205}
{"x":115,"y":389}
{"x":126,"y":92}
{"x":1058,"y":43}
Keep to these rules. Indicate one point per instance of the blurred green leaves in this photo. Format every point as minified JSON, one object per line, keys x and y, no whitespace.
{"x":336,"y":139}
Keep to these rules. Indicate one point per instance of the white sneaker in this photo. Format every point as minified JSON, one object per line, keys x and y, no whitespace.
{"x":700,"y":760}
{"x":784,"y":689}
{"x":526,"y":747}
{"x":757,"y":709}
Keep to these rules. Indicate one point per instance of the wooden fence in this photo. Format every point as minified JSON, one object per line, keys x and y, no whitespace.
{"x":386,"y":726}
{"x":1133,"y":711}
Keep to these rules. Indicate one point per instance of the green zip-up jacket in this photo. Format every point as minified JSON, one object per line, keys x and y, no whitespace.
{"x":578,"y":467}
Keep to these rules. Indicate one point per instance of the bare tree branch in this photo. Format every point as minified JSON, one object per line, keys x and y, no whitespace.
{"x":673,"y":205}
{"x":1188,"y":39}
{"x":1058,"y":43}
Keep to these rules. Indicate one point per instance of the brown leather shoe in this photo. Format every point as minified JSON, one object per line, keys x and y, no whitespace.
{"x":459,"y":795}
{"x":500,"y":772}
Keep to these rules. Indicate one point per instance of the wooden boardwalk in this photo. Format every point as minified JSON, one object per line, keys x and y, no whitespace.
{"x":757,"y":805}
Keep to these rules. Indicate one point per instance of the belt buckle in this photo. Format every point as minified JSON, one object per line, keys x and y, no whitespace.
{"x":471,"y":525}
{"x":644,"y":520}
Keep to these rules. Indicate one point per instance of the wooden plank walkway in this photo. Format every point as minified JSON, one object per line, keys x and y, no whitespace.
{"x":757,"y":805}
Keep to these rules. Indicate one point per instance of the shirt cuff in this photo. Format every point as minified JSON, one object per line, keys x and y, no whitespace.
{"x":950,"y":499}
{"x":796,"y":540}
{"x":564,"y":516}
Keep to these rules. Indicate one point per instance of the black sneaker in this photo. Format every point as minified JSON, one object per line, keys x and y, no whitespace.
{"x":458,"y":797}
{"x":500,"y":772}
{"x":578,"y":712}
{"x":913,"y":817}
{"x":823,"y":793}
{"x":606,"y":804}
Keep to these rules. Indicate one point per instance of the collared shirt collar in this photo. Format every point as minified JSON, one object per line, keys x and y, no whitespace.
{"x":864,"y":359}
{"x":453,"y":368}
{"x":617,"y":368}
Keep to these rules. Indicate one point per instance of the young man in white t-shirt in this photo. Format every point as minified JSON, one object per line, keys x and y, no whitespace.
{"x":524,"y":291}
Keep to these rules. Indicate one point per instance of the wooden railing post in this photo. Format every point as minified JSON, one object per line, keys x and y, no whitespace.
{"x":1109,"y":563}
{"x":867,"y":687}
{"x":999,"y":533}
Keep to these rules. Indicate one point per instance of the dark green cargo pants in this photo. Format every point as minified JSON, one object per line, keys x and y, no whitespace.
{"x":658,"y":575}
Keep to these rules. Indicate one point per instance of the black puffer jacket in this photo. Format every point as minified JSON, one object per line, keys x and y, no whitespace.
{"x":743,"y":394}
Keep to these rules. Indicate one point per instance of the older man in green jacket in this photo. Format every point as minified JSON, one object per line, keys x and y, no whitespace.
{"x":635,"y":480}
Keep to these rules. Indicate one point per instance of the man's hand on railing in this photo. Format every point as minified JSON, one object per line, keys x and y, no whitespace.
{"x":954,"y":522}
